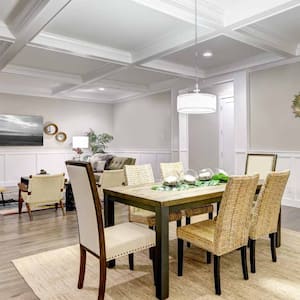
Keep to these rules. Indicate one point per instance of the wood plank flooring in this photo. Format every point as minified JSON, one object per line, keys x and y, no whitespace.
{"x":49,"y":230}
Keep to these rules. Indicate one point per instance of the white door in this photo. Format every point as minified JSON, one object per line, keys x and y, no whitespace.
{"x":226,"y":134}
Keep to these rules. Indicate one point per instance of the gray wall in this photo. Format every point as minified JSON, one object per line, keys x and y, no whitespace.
{"x":72,"y":117}
{"x":272,"y":123}
{"x":143,"y":123}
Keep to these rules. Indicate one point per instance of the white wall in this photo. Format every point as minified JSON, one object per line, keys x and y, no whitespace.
{"x":74,"y":118}
{"x":273,"y":127}
{"x":143,"y":123}
{"x":272,"y":123}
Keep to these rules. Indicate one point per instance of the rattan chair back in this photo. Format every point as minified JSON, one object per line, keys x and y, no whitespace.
{"x":267,"y":207}
{"x":233,"y":222}
{"x":138,"y":174}
{"x":171,"y":169}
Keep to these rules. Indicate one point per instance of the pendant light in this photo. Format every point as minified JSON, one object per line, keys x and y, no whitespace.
{"x":196,"y":102}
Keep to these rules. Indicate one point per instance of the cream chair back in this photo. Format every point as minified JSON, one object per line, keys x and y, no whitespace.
{"x":267,"y":207}
{"x":233,"y":222}
{"x":111,"y":178}
{"x":261,"y":164}
{"x":138,"y":174}
{"x":45,"y":188}
{"x":171,"y":169}
{"x":88,"y":207}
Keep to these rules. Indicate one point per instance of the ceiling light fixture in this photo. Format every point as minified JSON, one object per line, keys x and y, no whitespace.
{"x":196,"y":102}
{"x":101,"y":89}
{"x":207,"y":54}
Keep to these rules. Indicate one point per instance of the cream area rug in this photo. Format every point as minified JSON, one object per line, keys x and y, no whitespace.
{"x":53,"y":275}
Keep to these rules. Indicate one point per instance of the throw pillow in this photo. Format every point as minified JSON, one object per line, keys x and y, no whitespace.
{"x":99,"y":166}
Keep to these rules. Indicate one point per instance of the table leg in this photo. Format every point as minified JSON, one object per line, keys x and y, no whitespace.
{"x":20,"y":202}
{"x":109,"y":215}
{"x":278,"y":235}
{"x":162,"y":252}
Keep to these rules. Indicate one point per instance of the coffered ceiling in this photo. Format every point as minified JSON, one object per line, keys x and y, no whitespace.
{"x":113,"y":50}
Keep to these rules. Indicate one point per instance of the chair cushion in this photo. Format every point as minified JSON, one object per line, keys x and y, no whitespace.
{"x":200,"y":234}
{"x":118,"y":163}
{"x":126,"y":238}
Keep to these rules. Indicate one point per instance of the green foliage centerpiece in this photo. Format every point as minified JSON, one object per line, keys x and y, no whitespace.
{"x":98,"y":141}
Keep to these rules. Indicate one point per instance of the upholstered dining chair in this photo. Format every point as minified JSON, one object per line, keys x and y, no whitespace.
{"x":44,"y":190}
{"x":104,"y":243}
{"x":262,"y":164}
{"x":174,"y":169}
{"x":265,"y":213}
{"x":229,"y":231}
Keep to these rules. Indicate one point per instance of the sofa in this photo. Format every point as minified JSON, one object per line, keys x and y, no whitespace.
{"x":109,"y":170}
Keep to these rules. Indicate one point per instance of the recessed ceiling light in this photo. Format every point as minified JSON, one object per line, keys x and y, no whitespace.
{"x":101,"y":89}
{"x":207,"y":54}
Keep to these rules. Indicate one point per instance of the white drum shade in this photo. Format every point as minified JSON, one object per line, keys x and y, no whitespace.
{"x":196,"y":103}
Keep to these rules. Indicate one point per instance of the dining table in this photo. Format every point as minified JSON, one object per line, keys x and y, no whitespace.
{"x":162,"y":203}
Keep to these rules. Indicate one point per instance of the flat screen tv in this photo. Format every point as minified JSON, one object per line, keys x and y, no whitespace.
{"x":20,"y":130}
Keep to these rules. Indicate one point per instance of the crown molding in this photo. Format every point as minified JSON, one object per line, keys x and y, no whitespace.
{"x":38,"y":73}
{"x":80,"y":48}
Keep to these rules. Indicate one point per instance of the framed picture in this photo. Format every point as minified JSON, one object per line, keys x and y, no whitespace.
{"x":21,"y":130}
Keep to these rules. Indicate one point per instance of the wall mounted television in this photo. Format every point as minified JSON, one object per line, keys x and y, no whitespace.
{"x":21,"y":130}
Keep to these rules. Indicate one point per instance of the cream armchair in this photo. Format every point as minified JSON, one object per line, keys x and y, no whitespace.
{"x":44,"y":189}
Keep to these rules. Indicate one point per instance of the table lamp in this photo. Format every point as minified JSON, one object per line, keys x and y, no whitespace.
{"x":79,"y":143}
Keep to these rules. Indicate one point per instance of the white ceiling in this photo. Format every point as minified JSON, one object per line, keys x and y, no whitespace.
{"x":70,"y":48}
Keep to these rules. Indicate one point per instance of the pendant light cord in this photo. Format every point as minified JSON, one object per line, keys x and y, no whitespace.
{"x":196,"y":49}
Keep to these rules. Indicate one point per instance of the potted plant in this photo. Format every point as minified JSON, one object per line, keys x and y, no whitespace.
{"x":98,"y":141}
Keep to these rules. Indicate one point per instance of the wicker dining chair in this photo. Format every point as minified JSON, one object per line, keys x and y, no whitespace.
{"x":104,"y":243}
{"x":265,"y":213}
{"x":175,"y":169}
{"x":229,"y":231}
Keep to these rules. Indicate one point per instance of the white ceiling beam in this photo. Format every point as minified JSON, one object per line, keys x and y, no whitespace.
{"x":32,"y":28}
{"x":38,"y":73}
{"x":173,"y":69}
{"x":260,"y":59}
{"x":209,"y":14}
{"x":259,"y":40}
{"x":80,"y":48}
{"x":121,"y":85}
{"x":246,"y":13}
{"x":104,"y":71}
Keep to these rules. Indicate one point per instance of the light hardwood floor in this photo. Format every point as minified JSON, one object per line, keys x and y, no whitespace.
{"x":49,"y":230}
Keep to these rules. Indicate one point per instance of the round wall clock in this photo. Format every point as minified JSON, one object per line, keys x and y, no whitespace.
{"x":61,"y":136}
{"x":51,"y":129}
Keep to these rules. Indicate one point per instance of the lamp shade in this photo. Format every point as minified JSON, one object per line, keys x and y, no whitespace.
{"x":80,"y":142}
{"x":196,"y":103}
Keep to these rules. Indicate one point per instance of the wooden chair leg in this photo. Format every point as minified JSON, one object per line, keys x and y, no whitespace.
{"x":210,"y":215}
{"x":252,"y":255}
{"x":217,"y":274}
{"x":179,"y":257}
{"x":2,"y":197}
{"x":273,"y":246}
{"x":130,"y":259}
{"x":82,"y":267}
{"x":154,"y":267}
{"x":187,"y":222}
{"x":278,"y":235}
{"x":56,"y":206}
{"x":102,"y":280}
{"x":244,"y":262}
{"x":208,"y":257}
{"x":29,"y":211}
{"x":150,"y":251}
{"x":178,"y":223}
{"x":61,"y":204}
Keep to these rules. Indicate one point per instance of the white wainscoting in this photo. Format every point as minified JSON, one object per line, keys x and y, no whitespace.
{"x":153,"y":157}
{"x":17,"y":163}
{"x":285,"y":160}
